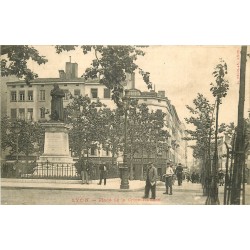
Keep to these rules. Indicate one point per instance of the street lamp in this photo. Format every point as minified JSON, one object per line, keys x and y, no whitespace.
{"x":124,"y":168}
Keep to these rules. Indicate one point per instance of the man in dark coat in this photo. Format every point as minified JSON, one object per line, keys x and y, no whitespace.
{"x":151,"y":181}
{"x":178,"y":172}
{"x":103,"y":174}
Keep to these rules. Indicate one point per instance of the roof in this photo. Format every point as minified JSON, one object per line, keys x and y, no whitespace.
{"x":49,"y":80}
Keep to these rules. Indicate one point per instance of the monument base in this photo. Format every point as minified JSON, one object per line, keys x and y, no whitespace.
{"x":56,"y":159}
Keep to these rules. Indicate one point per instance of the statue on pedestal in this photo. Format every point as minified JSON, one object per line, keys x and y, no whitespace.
{"x":57,"y":103}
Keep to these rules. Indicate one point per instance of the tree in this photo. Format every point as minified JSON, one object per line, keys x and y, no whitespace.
{"x":22,"y":137}
{"x":113,"y":124}
{"x":219,"y":90}
{"x":88,"y":130}
{"x":202,"y":120}
{"x":110,"y":65}
{"x":239,"y":162}
{"x":15,"y":58}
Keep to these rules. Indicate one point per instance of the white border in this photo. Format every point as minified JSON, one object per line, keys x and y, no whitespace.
{"x":124,"y":22}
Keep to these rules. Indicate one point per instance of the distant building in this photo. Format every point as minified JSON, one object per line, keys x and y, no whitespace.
{"x":4,"y":91}
{"x":175,"y":150}
{"x":33,"y":102}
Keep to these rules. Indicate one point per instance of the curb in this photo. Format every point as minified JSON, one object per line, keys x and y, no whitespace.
{"x":72,"y":189}
{"x":96,"y":189}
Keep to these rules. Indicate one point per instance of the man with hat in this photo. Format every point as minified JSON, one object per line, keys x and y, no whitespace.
{"x":168,"y":178}
{"x":151,"y":181}
{"x":178,"y":172}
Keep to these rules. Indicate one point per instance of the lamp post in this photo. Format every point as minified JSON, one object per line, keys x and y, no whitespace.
{"x":124,"y":168}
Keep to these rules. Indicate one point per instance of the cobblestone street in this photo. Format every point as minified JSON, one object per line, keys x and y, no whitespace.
{"x":105,"y":197}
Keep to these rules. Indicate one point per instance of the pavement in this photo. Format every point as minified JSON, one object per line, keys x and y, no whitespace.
{"x":111,"y":185}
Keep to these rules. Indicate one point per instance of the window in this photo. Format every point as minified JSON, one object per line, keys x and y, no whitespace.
{"x":67,"y":94}
{"x":30,"y":95}
{"x":13,"y":96}
{"x":94,"y":93}
{"x":30,"y":114}
{"x":106,"y":93}
{"x":107,"y":152}
{"x":42,"y":113}
{"x":77,"y":92}
{"x":21,"y":96}
{"x":13,"y":114}
{"x":92,"y":151}
{"x":42,"y":95}
{"x":22,"y":114}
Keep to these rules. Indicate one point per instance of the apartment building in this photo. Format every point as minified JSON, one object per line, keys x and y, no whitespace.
{"x":32,"y":102}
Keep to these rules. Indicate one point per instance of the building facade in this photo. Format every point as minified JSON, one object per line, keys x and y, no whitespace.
{"x":175,"y":150}
{"x":33,"y":102}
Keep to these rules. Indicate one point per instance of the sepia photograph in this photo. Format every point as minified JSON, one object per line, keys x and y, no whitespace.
{"x":125,"y":125}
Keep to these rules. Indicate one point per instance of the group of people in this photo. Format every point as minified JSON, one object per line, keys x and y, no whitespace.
{"x":152,"y":178}
{"x":85,"y":169}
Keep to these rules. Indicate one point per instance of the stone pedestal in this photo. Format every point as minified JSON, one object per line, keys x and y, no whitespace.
{"x":56,"y":159}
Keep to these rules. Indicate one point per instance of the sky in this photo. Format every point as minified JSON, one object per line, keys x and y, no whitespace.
{"x":182,"y":71}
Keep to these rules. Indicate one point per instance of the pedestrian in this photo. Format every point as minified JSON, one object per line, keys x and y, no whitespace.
{"x":178,"y":172}
{"x":168,"y":178}
{"x":150,"y":181}
{"x":193,"y":176}
{"x":84,"y":171}
{"x":103,"y":174}
{"x":221,"y":178}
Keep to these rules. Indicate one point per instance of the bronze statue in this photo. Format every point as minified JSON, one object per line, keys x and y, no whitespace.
{"x":57,"y":103}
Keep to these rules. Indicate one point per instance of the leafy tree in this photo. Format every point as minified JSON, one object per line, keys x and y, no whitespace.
{"x":29,"y":136}
{"x":5,"y":125}
{"x":145,"y":132}
{"x":203,"y":132}
{"x":14,"y":60}
{"x":110,"y":64}
{"x":219,"y":90}
{"x":114,"y":131}
{"x":88,"y":130}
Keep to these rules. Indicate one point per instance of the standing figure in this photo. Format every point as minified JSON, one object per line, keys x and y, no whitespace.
{"x":178,"y":172}
{"x":221,"y":178}
{"x":103,"y":174}
{"x":151,"y":181}
{"x":84,"y":172}
{"x":168,"y":178}
{"x":57,"y":103}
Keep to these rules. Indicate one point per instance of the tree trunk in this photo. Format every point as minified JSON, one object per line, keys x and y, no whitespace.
{"x":131,"y":175}
{"x":239,"y":143}
{"x":213,"y":198}
{"x":142,"y":176}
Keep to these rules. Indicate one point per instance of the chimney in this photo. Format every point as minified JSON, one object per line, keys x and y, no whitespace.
{"x":133,"y":80}
{"x":62,"y":74}
{"x":71,"y":70}
{"x":130,"y":80}
{"x":161,"y":93}
{"x":74,"y":70}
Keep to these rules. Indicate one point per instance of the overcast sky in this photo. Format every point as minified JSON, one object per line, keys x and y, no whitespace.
{"x":182,"y":71}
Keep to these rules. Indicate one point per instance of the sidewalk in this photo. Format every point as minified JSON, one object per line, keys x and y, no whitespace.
{"x":112,"y":185}
{"x":55,"y":184}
